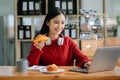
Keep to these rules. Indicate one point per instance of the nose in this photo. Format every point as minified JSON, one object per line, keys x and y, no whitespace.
{"x":59,"y":25}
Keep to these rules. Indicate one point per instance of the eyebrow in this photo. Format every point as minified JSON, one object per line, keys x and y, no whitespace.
{"x":57,"y":20}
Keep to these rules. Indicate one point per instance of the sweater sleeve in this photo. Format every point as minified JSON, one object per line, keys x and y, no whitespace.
{"x":78,"y":55}
{"x":34,"y":55}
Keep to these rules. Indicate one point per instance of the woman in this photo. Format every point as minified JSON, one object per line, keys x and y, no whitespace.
{"x":62,"y":53}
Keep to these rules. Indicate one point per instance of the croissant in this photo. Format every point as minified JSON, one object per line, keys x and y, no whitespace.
{"x":52,"y":67}
{"x":40,"y":38}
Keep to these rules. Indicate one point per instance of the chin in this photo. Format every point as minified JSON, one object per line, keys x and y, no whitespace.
{"x":58,"y":33}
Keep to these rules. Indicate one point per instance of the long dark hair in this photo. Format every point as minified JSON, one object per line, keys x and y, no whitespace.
{"x":53,"y":12}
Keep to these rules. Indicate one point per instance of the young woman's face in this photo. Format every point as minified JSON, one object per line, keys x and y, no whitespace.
{"x":56,"y":24}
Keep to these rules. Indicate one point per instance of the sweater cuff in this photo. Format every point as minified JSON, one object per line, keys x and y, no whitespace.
{"x":82,"y":66}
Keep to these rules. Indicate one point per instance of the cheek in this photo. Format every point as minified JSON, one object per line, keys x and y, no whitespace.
{"x":52,"y":26}
{"x":63,"y":27}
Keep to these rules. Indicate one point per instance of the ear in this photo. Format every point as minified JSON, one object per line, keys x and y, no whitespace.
{"x":47,"y":23}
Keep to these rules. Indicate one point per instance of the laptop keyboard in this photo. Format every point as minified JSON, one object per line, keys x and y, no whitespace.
{"x":79,"y":69}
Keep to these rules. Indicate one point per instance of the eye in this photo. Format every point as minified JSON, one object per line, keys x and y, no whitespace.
{"x":56,"y":22}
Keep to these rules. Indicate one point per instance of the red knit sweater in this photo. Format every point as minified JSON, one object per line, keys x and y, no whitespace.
{"x":54,"y":54}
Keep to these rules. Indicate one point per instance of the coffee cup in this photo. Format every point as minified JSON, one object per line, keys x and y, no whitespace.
{"x":22,"y":65}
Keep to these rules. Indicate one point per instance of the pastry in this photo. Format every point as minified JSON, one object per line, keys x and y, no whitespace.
{"x":52,"y":67}
{"x":40,"y":38}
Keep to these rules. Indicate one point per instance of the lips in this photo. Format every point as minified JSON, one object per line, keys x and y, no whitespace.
{"x":58,"y":30}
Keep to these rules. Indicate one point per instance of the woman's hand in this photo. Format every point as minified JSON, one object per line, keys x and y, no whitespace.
{"x":39,"y":45}
{"x":87,"y":65}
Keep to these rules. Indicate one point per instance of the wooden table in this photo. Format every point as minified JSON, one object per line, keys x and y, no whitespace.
{"x":9,"y":73}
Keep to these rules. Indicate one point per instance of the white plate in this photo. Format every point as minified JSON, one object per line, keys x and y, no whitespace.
{"x":51,"y":72}
{"x":35,"y":67}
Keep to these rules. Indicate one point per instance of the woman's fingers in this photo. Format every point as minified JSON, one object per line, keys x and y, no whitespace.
{"x":87,"y":65}
{"x":39,"y":45}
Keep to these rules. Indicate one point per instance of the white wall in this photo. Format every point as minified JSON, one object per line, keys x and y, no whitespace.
{"x":6,"y":7}
{"x":113,"y":8}
{"x":92,"y":4}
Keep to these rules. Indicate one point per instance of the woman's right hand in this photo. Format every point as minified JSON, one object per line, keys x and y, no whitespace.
{"x":39,"y":45}
{"x":87,"y":65}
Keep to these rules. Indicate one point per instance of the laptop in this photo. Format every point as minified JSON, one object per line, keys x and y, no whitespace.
{"x":105,"y":58}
